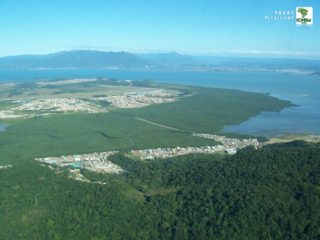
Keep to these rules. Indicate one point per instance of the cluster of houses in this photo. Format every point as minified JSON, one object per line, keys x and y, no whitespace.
{"x":74,"y":173}
{"x":230,"y":143}
{"x":55,"y":104}
{"x":96,"y":162}
{"x":230,"y":146}
{"x":51,"y":105}
{"x":171,"y":152}
{"x":69,"y":81}
{"x":140,"y":99}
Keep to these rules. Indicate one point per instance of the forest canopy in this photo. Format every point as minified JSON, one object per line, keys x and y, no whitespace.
{"x":270,"y":193}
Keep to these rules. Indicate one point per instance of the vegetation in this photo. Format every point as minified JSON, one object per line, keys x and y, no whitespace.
{"x":57,"y":79}
{"x":29,"y":90}
{"x":81,"y":133}
{"x":27,"y":85}
{"x":271,"y":193}
{"x":209,"y":110}
{"x":103,"y":95}
{"x":6,"y":104}
{"x":110,"y":81}
{"x":14,"y":93}
{"x":104,"y":103}
{"x":205,"y":110}
{"x":70,"y":88}
{"x":142,"y":83}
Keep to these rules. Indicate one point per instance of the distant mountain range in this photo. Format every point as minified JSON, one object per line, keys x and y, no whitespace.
{"x":74,"y":59}
{"x":162,"y":61}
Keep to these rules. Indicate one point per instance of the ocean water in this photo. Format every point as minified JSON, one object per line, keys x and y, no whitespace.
{"x":302,"y":90}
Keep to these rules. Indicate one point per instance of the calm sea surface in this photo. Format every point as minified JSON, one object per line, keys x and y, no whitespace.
{"x":300,"y":89}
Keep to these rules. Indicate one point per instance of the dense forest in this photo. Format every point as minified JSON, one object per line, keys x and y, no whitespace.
{"x":209,"y":110}
{"x":66,"y":134}
{"x":270,"y":193}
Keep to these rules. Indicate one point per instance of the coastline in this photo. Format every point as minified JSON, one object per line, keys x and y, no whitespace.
{"x":300,"y":89}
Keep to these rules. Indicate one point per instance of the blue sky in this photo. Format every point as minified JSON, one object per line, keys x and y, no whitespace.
{"x":209,"y":27}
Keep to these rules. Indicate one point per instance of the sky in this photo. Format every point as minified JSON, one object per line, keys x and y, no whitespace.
{"x":193,"y":27}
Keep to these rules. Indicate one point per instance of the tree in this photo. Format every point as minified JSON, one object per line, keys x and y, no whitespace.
{"x":165,"y":225}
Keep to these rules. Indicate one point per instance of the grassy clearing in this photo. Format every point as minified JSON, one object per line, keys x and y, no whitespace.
{"x":161,"y":191}
{"x":302,"y":136}
{"x":294,"y":137}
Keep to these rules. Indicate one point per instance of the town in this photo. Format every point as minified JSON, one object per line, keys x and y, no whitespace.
{"x":90,"y":105}
{"x":140,"y":99}
{"x":230,"y":146}
{"x":96,"y":162}
{"x":230,"y":143}
{"x":152,"y":154}
{"x":56,"y":104}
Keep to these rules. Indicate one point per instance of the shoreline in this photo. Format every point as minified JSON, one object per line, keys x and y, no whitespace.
{"x":296,"y":102}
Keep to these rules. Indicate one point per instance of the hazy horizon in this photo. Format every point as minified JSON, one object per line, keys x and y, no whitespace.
{"x":223,"y":55}
{"x":225,"y":28}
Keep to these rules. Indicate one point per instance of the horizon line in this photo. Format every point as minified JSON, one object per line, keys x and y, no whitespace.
{"x":228,"y":53}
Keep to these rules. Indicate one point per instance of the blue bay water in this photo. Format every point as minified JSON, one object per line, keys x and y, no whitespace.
{"x":302,"y":90}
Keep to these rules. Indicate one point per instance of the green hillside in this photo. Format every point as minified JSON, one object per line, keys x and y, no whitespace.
{"x":271,"y":193}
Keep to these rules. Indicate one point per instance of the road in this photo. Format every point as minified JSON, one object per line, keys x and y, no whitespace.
{"x":157,"y":124}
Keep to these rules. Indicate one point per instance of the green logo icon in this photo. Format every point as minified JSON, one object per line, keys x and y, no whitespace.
{"x":303,"y":11}
{"x":304,"y":15}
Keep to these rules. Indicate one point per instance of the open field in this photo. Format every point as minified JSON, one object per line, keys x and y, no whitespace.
{"x":289,"y":138}
{"x":25,"y":100}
